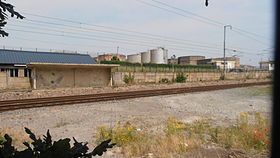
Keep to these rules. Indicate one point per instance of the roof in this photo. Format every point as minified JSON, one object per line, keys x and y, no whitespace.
{"x":23,"y":57}
{"x":267,"y":62}
{"x":31,"y":65}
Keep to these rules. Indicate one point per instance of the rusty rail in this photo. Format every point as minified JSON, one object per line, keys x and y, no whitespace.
{"x":8,"y":105}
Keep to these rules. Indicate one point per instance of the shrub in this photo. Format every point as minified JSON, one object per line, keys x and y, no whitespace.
{"x":46,"y":148}
{"x":128,"y":79}
{"x":120,"y":134}
{"x":222,"y":77}
{"x":174,"y":126}
{"x":164,"y":80}
{"x":180,"y":78}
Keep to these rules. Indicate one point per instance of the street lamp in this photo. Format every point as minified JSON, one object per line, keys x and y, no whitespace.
{"x":225,"y":47}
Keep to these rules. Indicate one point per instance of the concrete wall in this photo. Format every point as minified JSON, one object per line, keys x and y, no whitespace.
{"x":3,"y":80}
{"x":154,"y":77}
{"x":19,"y":82}
{"x":65,"y":77}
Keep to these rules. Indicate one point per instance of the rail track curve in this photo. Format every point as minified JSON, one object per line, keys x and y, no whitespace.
{"x":8,"y":105}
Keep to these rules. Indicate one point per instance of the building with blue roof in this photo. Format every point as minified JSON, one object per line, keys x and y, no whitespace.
{"x":24,"y":57}
{"x":37,"y":70}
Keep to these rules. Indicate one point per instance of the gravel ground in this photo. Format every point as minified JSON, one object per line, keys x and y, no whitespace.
{"x":23,"y":94}
{"x":81,"y":121}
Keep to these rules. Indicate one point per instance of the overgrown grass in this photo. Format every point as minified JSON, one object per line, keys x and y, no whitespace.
{"x":261,"y":91}
{"x":250,"y":133}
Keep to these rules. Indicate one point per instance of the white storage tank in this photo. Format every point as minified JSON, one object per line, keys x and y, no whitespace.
{"x":159,"y":56}
{"x":165,"y":57}
{"x":146,"y":57}
{"x":134,"y":58}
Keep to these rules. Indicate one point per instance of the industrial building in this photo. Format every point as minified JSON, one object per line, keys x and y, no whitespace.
{"x":134,"y":58}
{"x":189,"y":60}
{"x":38,"y":70}
{"x":230,"y":62}
{"x":267,"y":65}
{"x":108,"y":57}
{"x":172,"y":61}
{"x":157,"y":56}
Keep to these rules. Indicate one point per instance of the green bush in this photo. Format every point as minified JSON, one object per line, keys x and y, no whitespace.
{"x":164,"y":80}
{"x":128,"y":79}
{"x":180,"y":78}
{"x":222,"y":77}
{"x":125,"y":63}
{"x":46,"y":148}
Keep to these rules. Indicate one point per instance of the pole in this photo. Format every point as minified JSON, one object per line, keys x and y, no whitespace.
{"x":224,"y":72}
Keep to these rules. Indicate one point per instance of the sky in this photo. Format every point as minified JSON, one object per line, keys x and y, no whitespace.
{"x":133,"y":26}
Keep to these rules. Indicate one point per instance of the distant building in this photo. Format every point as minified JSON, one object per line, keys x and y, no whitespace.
{"x":230,"y":62}
{"x":108,"y":57}
{"x":172,"y":61}
{"x":189,"y":60}
{"x":39,"y":70}
{"x":157,"y":56}
{"x":134,"y":58}
{"x":247,"y":67}
{"x":267,"y":65}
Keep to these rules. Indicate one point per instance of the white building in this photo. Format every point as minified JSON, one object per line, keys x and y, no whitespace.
{"x":267,"y":65}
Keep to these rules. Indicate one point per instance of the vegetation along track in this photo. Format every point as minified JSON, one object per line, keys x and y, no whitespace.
{"x":77,"y":99}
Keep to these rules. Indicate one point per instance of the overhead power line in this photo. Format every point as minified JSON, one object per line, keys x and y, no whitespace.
{"x":119,"y":29}
{"x":198,"y":17}
{"x":90,"y":31}
{"x":110,"y":41}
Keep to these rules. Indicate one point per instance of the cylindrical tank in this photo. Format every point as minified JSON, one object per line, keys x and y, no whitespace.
{"x":165,"y":57}
{"x":134,"y":58}
{"x":146,"y":57}
{"x":158,"y":56}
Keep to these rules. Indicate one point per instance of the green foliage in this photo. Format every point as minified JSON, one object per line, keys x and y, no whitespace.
{"x":6,"y":7}
{"x":222,"y":77}
{"x":120,"y":134}
{"x":46,"y":148}
{"x":124,"y":63}
{"x":115,"y":58}
{"x":180,"y":78}
{"x":164,"y":80}
{"x":128,"y":79}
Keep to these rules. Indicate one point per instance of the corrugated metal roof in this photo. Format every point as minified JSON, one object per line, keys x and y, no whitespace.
{"x":23,"y":57}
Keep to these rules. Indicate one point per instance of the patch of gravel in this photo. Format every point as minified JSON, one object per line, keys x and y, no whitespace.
{"x":81,"y":121}
{"x":24,"y":94}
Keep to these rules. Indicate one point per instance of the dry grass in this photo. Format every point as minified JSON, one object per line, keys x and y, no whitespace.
{"x":18,"y":136}
{"x":250,"y":133}
{"x":261,"y":91}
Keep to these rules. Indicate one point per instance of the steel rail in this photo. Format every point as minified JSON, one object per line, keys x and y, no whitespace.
{"x":78,"y":99}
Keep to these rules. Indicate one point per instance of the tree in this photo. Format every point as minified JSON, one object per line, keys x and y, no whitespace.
{"x":47,"y":148}
{"x":6,"y":7}
{"x":115,"y":58}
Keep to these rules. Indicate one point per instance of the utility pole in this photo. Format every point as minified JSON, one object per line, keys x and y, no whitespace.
{"x":224,"y":72}
{"x":118,"y":50}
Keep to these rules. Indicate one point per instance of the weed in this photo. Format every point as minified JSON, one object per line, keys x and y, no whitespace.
{"x":164,"y":80}
{"x":128,"y":79}
{"x":250,"y":133}
{"x":61,"y":123}
{"x":120,"y":134}
{"x":222,"y":77}
{"x":180,"y":78}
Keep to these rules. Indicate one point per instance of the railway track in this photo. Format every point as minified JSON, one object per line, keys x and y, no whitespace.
{"x":78,"y":99}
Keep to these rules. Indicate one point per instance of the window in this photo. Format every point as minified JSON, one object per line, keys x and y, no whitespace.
{"x":3,"y":70}
{"x":13,"y":72}
{"x":27,"y":73}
